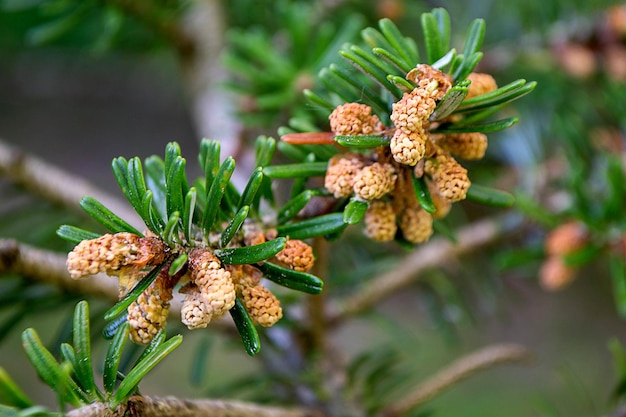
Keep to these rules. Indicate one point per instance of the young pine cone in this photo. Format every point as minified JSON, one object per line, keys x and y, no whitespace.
{"x":263,"y":307}
{"x":194,"y":312}
{"x":380,"y":221}
{"x":244,"y":276}
{"x":354,"y":119}
{"x":296,"y":255}
{"x":148,"y":314}
{"x":442,"y":204}
{"x":410,"y":117}
{"x":555,"y":275}
{"x":214,"y":282}
{"x":110,"y":252}
{"x":449,"y":177}
{"x":565,"y":239}
{"x":464,"y":145}
{"x":431,"y":79}
{"x":416,"y":225}
{"x":374,"y":181}
{"x":342,"y":169}
{"x":481,"y":84}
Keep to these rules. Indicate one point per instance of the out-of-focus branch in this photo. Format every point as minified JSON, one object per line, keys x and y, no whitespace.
{"x":456,"y":371}
{"x":437,"y":252}
{"x":211,"y":104}
{"x":145,"y":12}
{"x":55,"y":184}
{"x":171,"y":406}
{"x":49,"y":267}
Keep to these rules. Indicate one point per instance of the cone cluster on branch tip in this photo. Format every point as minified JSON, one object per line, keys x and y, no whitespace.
{"x":566,"y":239}
{"x":384,"y":178}
{"x":210,"y":287}
{"x":354,"y":119}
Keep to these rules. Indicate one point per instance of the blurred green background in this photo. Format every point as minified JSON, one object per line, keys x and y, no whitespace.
{"x":103,"y":85}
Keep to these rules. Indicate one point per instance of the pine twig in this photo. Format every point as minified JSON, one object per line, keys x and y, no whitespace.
{"x":49,"y":267}
{"x":144,"y":11}
{"x":55,"y":184}
{"x":455,"y":372}
{"x":437,"y":252}
{"x":211,"y":105}
{"x":172,"y":406}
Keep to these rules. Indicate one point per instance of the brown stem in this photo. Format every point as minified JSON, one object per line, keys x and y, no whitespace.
{"x":171,"y":406}
{"x":55,"y":184}
{"x":49,"y":267}
{"x":316,"y":304}
{"x":455,"y":372}
{"x":437,"y":252}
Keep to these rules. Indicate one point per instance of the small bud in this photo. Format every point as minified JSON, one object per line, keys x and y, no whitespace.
{"x":416,"y":225}
{"x":296,"y":255}
{"x":340,"y":174}
{"x":442,"y":204}
{"x":464,"y":145}
{"x":412,"y":111}
{"x":408,"y":149}
{"x":565,"y":239}
{"x":374,"y":181}
{"x":263,"y":307}
{"x":448,"y":176}
{"x":214,"y":282}
{"x":110,"y":252}
{"x":354,"y":119}
{"x":555,"y":275}
{"x":431,"y":79}
{"x":410,"y":117}
{"x":148,"y":314}
{"x":194,"y":312}
{"x":481,"y":84}
{"x":380,"y":221}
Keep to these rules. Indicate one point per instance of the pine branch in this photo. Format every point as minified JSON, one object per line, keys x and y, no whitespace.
{"x":55,"y":184}
{"x":455,"y":372}
{"x":436,"y":252}
{"x":145,"y":12}
{"x":171,"y":406}
{"x":212,"y":106}
{"x":49,"y":267}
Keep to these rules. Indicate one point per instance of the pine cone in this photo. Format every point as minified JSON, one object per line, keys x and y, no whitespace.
{"x":214,"y":282}
{"x":464,"y":145}
{"x":340,"y":174}
{"x":431,"y":79}
{"x":354,"y":119}
{"x":380,"y":221}
{"x":442,"y":204}
{"x":110,"y":252}
{"x":194,"y":312}
{"x":148,"y":313}
{"x":448,"y":176}
{"x":374,"y":181}
{"x":263,"y":307}
{"x":481,"y":84}
{"x":296,"y":255}
{"x":410,"y":117}
{"x":555,"y":275}
{"x":416,"y":225}
{"x":565,"y":239}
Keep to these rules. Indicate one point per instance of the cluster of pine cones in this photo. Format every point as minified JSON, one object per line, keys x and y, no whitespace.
{"x":384,"y":178}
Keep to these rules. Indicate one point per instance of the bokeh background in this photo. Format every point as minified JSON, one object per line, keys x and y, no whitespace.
{"x":78,"y":100}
